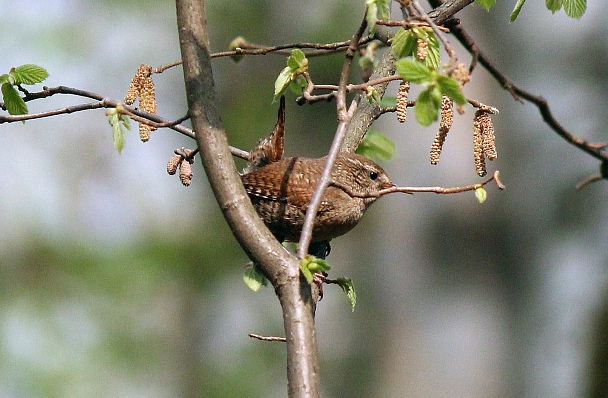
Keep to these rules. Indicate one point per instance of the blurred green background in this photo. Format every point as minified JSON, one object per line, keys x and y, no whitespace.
{"x":116,"y":281}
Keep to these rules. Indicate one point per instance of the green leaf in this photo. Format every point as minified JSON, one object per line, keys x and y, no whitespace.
{"x":318,"y":265}
{"x":311,"y":265}
{"x":517,"y":9}
{"x":384,"y":6}
{"x":413,"y":71}
{"x":481,"y":194}
{"x":427,"y":106}
{"x":487,"y":4}
{"x":373,"y":95}
{"x":29,"y":74}
{"x":297,"y":63}
{"x":373,"y":8}
{"x":376,"y":146}
{"x":126,"y":121}
{"x":404,"y":43}
{"x":283,"y":81}
{"x":575,"y":8}
{"x":371,"y":15}
{"x":119,"y":135}
{"x":296,"y":59}
{"x":15,"y":105}
{"x":365,"y":63}
{"x":347,"y":285}
{"x":4,"y":78}
{"x":307,"y":274}
{"x":253,"y":278}
{"x":388,"y":101}
{"x":554,"y":5}
{"x":235,"y":45}
{"x":296,"y":86}
{"x":452,"y":89}
{"x":433,"y":59}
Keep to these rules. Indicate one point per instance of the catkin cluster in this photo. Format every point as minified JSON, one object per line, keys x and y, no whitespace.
{"x":185,"y":168}
{"x":423,"y":49}
{"x":142,"y":86}
{"x":447,"y":118}
{"x":402,"y":94}
{"x":461,"y":74}
{"x":484,"y":144}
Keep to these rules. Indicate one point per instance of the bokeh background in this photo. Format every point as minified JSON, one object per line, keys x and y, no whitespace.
{"x":116,"y":281}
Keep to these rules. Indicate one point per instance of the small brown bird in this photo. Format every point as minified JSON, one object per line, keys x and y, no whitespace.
{"x":280,"y":192}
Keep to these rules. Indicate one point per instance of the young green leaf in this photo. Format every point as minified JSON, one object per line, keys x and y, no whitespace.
{"x":575,"y":8}
{"x":388,"y":101}
{"x":371,"y":14}
{"x":311,"y":265}
{"x":126,"y":121}
{"x":384,"y":6}
{"x":404,"y":43}
{"x":253,"y":278}
{"x":433,"y":58}
{"x":427,"y":106}
{"x":517,"y":9}
{"x":114,"y":118}
{"x":15,"y":105}
{"x":119,"y":136}
{"x":347,"y":285}
{"x":373,"y":95}
{"x":296,"y":59}
{"x":235,"y":45}
{"x":554,"y":5}
{"x":487,"y":4}
{"x":376,"y":146}
{"x":29,"y":74}
{"x":373,"y":8}
{"x":296,"y":86}
{"x":452,"y":89}
{"x":413,"y":71}
{"x":481,"y":194}
{"x":297,"y":63}
{"x":4,"y":78}
{"x":283,"y":81}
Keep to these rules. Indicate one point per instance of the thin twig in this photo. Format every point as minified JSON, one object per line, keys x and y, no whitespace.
{"x":343,"y":113}
{"x":102,"y":102}
{"x":310,"y":98}
{"x":165,"y":67}
{"x":518,"y":93}
{"x":412,"y":190}
{"x":589,"y":180}
{"x":267,"y":338}
{"x":483,"y":107}
{"x":344,"y":116}
{"x":246,"y":48}
{"x":324,"y":182}
{"x":408,"y":24}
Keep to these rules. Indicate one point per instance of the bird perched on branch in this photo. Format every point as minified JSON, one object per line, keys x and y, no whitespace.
{"x":281,"y":189}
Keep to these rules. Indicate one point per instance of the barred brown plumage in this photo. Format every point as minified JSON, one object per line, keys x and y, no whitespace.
{"x":280,"y":192}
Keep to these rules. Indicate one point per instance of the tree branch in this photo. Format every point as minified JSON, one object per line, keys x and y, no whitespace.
{"x":367,"y":110}
{"x":103,"y":102}
{"x":344,"y":116}
{"x":280,"y":267}
{"x":518,"y":93}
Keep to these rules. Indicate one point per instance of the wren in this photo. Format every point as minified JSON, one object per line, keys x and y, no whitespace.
{"x":280,"y":192}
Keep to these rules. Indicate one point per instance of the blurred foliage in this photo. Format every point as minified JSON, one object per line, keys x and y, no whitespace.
{"x":79,"y":321}
{"x":162,"y":314}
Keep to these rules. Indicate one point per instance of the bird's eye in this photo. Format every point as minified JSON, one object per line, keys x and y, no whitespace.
{"x":373,"y":175}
